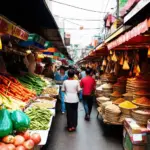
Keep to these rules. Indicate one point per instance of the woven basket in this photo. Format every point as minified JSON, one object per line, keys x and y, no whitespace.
{"x":127,"y":111}
{"x":140,"y":118}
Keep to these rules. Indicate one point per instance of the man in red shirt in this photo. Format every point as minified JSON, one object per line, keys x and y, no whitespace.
{"x":88,"y":85}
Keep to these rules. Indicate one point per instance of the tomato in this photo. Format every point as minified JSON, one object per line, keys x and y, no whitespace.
{"x":19,"y":140}
{"x":29,"y":144}
{"x":8,"y":139}
{"x":2,"y":144}
{"x":3,"y":147}
{"x":20,"y":148}
{"x":26,"y":135}
{"x":11,"y":146}
{"x":36,"y":138}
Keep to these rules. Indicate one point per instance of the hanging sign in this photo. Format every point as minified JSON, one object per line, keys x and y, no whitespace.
{"x":19,"y":33}
{"x":140,"y":28}
{"x":7,"y":27}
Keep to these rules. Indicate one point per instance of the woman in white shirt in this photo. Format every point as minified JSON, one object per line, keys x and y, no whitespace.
{"x":71,"y":88}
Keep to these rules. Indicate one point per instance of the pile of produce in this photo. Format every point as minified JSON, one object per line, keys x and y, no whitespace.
{"x":10,"y":103}
{"x":40,"y":118}
{"x":118,"y":101}
{"x":9,"y":86}
{"x":33,"y":82}
{"x":44,"y":104}
{"x":50,"y":91}
{"x":127,"y":105}
{"x":142,"y":101}
{"x":21,"y":141}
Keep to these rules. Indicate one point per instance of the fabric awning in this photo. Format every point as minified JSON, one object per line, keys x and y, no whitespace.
{"x":139,"y":29}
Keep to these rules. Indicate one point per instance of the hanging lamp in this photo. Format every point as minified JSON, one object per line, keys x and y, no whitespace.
{"x":121,"y":60}
{"x":114,"y":57}
{"x":148,"y":53}
{"x":0,"y":43}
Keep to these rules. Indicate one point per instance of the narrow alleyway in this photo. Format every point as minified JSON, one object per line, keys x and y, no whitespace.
{"x":93,"y":135}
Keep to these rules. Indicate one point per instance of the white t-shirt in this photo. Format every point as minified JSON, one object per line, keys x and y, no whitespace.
{"x":71,"y":89}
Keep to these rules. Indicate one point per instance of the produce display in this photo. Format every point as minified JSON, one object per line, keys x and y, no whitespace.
{"x":50,"y":91}
{"x":127,"y":105}
{"x":44,"y":104}
{"x":118,"y":101}
{"x":20,"y":141}
{"x":10,"y":103}
{"x":9,"y":122}
{"x":39,"y":117}
{"x":142,"y":101}
{"x":46,"y":99}
{"x":10,"y":87}
{"x":33,"y":82}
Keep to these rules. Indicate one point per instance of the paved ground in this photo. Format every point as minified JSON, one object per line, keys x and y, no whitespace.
{"x":93,"y":135}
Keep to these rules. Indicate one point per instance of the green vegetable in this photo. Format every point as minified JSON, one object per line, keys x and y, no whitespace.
{"x":5,"y":123}
{"x":40,"y":118}
{"x":21,"y":121}
{"x":33,"y":82}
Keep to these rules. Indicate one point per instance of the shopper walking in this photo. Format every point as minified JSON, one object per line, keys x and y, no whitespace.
{"x":71,"y":88}
{"x":88,"y":84}
{"x":60,"y":77}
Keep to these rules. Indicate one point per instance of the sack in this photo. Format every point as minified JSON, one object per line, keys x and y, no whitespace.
{"x":6,"y":127}
{"x":20,"y":120}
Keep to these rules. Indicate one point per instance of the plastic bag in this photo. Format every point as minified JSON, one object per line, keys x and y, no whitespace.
{"x":5,"y":123}
{"x":20,"y":120}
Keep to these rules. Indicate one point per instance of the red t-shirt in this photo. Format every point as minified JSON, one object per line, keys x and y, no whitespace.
{"x":88,"y":84}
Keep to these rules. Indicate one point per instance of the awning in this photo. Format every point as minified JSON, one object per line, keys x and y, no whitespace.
{"x":35,"y":17}
{"x":139,"y":29}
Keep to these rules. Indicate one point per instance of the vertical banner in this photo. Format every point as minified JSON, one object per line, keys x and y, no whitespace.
{"x":67,"y":39}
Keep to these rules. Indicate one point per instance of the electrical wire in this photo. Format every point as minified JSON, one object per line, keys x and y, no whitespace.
{"x":77,"y":7}
{"x":81,"y":29}
{"x":77,"y":18}
{"x":73,"y":22}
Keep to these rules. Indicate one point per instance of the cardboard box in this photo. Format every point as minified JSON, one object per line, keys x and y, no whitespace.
{"x":128,"y":145}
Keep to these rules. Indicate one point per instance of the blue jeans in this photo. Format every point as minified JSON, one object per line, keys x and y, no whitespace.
{"x":87,"y":103}
{"x":80,"y":95}
{"x":62,"y":99}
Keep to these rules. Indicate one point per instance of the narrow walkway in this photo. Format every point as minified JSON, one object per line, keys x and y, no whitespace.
{"x":93,"y":135}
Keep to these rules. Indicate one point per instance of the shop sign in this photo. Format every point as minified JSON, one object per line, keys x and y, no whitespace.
{"x":140,"y":28}
{"x":19,"y":33}
{"x":7,"y":27}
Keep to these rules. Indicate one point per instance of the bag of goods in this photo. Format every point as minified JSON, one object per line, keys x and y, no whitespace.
{"x":21,"y":121}
{"x":6,"y":126}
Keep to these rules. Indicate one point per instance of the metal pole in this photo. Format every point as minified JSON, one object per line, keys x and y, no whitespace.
{"x":117,"y":13}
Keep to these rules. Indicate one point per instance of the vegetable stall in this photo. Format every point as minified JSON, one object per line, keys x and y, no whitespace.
{"x":27,"y":100}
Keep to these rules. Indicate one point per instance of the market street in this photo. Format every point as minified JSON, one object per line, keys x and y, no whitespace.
{"x":91,"y":135}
